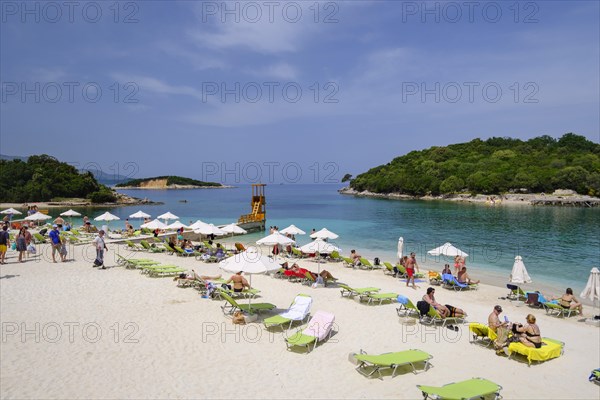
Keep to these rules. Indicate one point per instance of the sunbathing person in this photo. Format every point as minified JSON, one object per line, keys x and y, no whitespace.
{"x":569,"y":301}
{"x":430,"y":298}
{"x":239,"y":282}
{"x":194,"y":276}
{"x":446,"y":269}
{"x":463,"y":277}
{"x":355,"y":257}
{"x":529,"y":334}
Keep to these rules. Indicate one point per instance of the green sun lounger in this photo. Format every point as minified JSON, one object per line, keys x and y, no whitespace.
{"x":469,"y":389}
{"x":348,"y":291}
{"x":317,"y":330}
{"x":408,"y":309}
{"x":595,"y":376}
{"x":348,"y":262}
{"x":133,"y":246}
{"x":299,"y":310}
{"x":516,"y":293}
{"x":370,"y":364}
{"x":389,"y":268}
{"x":231,"y":306}
{"x":246,"y":293}
{"x":335,"y":256}
{"x":558,"y":310}
{"x":167,"y":270}
{"x":378,"y":297}
{"x":151,"y":249}
{"x":38,"y":239}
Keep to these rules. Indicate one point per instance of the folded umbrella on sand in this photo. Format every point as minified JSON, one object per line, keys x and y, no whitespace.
{"x":592,"y":289}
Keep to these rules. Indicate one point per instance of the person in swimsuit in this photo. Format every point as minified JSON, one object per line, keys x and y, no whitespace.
{"x":411,"y":264}
{"x":430,"y":298}
{"x":239,"y":282}
{"x":530,"y":334}
{"x":463,"y":277}
{"x":569,"y":301}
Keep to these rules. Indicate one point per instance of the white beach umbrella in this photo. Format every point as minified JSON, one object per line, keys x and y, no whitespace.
{"x":318,"y":246}
{"x":324,"y":234}
{"x":177,"y":225}
{"x":592,"y":289}
{"x":197,"y":225}
{"x":140,"y":214}
{"x":400,"y":248}
{"x":70,"y":213}
{"x":275,"y":238}
{"x":106,"y":217}
{"x":167,"y":216}
{"x":154,"y":224}
{"x":250,"y":262}
{"x":38,"y":216}
{"x":11,"y":211}
{"x":233,"y":228}
{"x":448,"y":250}
{"x":292,"y":230}
{"x":210,"y":229}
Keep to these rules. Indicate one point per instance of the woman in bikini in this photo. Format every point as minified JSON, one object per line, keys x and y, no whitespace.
{"x":570,"y":302}
{"x":530,"y":334}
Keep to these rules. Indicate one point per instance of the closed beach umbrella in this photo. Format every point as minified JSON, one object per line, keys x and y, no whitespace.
{"x":519,"y":273}
{"x":140,"y":214}
{"x":38,"y":216}
{"x":11,"y":211}
{"x":250,"y":262}
{"x":233,"y":228}
{"x":592,"y":289}
{"x":324,"y":234}
{"x":318,"y":246}
{"x":177,"y":225}
{"x":275,"y":238}
{"x":448,"y":250}
{"x":292,"y":230}
{"x":154,"y":224}
{"x":210,"y":229}
{"x":400,"y":248}
{"x":167,"y":216}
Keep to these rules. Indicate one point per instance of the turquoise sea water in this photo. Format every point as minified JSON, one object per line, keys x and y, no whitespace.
{"x":559,"y":245}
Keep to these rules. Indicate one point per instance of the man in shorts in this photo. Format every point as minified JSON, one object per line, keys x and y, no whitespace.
{"x":411,"y":264}
{"x":56,"y":243}
{"x":4,"y":243}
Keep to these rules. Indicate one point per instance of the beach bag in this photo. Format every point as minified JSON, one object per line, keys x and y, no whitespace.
{"x":31,"y":249}
{"x":238,"y":318}
{"x":423,"y":307}
{"x":14,"y":246}
{"x":97,"y":262}
{"x":376,"y":261}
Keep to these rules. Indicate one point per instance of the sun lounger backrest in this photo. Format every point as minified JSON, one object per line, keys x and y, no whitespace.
{"x":320,"y":325}
{"x":299,"y":308}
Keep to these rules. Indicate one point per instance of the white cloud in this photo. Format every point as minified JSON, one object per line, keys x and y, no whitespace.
{"x":157,"y":86}
{"x":281,"y":70}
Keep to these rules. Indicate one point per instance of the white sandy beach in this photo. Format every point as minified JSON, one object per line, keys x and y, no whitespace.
{"x":117,"y":334}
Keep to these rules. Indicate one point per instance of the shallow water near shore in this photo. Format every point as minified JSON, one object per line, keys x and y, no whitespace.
{"x":559,"y":245}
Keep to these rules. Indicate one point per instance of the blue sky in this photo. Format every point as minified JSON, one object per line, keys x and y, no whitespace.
{"x":288,"y":91}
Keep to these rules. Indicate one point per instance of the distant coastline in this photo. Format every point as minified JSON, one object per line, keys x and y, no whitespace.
{"x":172,"y":187}
{"x":122,"y":200}
{"x":558,"y":198}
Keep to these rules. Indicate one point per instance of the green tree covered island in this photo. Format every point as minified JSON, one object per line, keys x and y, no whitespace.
{"x":493,"y":166}
{"x":170,"y":181}
{"x":43,"y":178}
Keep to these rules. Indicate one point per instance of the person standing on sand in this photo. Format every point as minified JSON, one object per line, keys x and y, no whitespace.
{"x":56,"y":243}
{"x":411,"y":264}
{"x":4,"y":243}
{"x":100,"y":247}
{"x":500,"y":328}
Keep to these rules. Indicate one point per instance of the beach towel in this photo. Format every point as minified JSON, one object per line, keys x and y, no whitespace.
{"x":299,"y":309}
{"x":402,"y":299}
